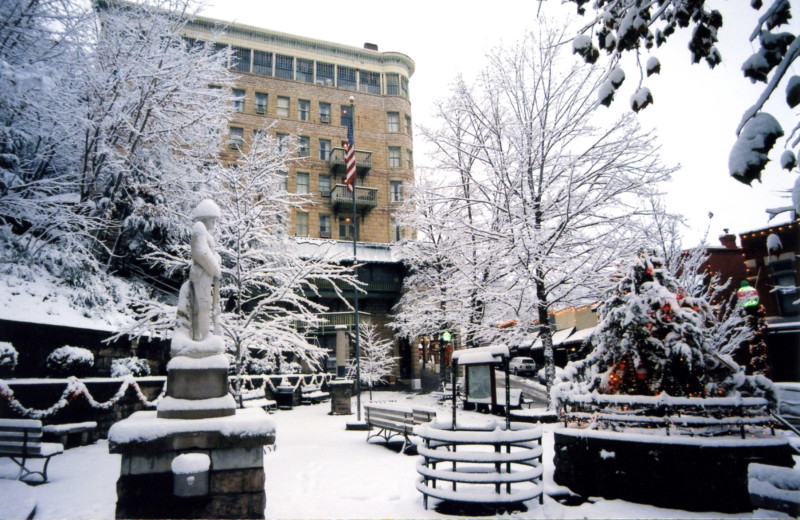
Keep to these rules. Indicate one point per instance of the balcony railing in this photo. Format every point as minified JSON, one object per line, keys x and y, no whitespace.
{"x":338,"y":320}
{"x":337,"y":165}
{"x":366,"y":198}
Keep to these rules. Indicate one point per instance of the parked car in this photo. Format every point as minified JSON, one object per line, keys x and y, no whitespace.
{"x":522,"y":366}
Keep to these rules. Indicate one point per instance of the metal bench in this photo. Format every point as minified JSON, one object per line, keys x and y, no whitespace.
{"x":257,"y":400}
{"x":392,"y":421}
{"x":313,"y":394}
{"x":21,"y":440}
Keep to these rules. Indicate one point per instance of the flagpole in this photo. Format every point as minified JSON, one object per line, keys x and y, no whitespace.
{"x":355,"y":271}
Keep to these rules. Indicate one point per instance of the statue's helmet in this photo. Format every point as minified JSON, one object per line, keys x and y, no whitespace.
{"x":206,"y":209}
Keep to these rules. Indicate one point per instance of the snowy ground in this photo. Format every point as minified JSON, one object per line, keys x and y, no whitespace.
{"x":319,"y":470}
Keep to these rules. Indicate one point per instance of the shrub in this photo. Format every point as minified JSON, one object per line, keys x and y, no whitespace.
{"x":130,"y":366}
{"x":70,"y":361}
{"x":8,"y":359}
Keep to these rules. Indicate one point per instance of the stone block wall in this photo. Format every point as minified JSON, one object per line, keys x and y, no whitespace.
{"x":665,"y":473}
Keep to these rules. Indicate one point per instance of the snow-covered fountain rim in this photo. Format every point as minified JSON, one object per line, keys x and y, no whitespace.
{"x":685,"y":440}
{"x":665,"y":399}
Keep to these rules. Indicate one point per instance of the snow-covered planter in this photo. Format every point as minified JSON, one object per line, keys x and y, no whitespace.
{"x":8,"y":359}
{"x":678,"y":471}
{"x":130,"y":366}
{"x":70,"y":361}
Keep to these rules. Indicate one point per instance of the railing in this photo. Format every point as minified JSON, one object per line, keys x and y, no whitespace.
{"x":366,"y":198}
{"x":678,"y":415}
{"x":371,"y":287}
{"x":337,"y":164}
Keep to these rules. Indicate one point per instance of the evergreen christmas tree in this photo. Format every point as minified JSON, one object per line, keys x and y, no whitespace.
{"x":652,"y":338}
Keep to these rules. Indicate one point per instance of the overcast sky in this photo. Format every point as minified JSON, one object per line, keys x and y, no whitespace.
{"x":695,"y":110}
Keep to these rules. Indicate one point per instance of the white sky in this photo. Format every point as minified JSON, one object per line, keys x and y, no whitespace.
{"x":695,"y":110}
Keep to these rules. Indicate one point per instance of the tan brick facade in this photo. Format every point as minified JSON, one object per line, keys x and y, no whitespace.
{"x":372,"y":126}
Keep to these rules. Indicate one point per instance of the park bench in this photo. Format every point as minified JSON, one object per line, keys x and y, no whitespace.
{"x":393,"y":420}
{"x":71,"y":434}
{"x":313,"y":394}
{"x":21,"y":440}
{"x":257,"y":400}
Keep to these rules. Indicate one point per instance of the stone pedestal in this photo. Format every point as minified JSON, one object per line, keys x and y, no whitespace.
{"x":197,"y":389}
{"x":234,"y":444}
{"x":341,"y":392}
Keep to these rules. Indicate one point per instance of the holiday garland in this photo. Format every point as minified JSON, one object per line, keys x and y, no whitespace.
{"x":77,"y":389}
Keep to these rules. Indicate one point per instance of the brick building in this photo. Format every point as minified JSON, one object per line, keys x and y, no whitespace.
{"x":302,"y":87}
{"x":767,"y":259}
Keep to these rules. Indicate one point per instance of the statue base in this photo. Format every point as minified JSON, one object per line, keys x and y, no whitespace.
{"x":235,"y":480}
{"x":197,"y":388}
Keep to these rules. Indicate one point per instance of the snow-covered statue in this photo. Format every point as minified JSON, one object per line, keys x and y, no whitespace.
{"x":198,"y":301}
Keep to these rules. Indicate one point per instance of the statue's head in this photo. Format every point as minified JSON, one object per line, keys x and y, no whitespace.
{"x":207,"y":212}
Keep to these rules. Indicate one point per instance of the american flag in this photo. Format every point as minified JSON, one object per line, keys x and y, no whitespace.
{"x":350,"y":155}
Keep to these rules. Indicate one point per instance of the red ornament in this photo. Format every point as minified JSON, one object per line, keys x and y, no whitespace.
{"x":641,"y":372}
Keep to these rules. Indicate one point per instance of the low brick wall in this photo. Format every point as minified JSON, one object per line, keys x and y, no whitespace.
{"x":692,"y":473}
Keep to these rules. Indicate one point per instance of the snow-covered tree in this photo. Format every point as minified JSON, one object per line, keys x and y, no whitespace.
{"x":376,"y":358}
{"x":106,"y":119}
{"x":151,"y":121}
{"x":551,"y":192}
{"x":653,"y":338}
{"x":268,"y":289}
{"x":619,"y":27}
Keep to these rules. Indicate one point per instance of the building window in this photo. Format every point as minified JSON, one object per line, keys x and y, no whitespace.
{"x":393,"y":121}
{"x":324,"y":112}
{"x":302,"y":183}
{"x":283,"y":183}
{"x":369,"y":82}
{"x":408,"y":124}
{"x":284,"y":66}
{"x":240,"y":59}
{"x":283,"y":106}
{"x":396,"y":231}
{"x":347,"y":116}
{"x":301,"y":221}
{"x":410,"y":158}
{"x":236,"y":137}
{"x":305,"y":70}
{"x":392,"y":84}
{"x":304,"y":109}
{"x":325,"y":226}
{"x":394,"y":157}
{"x":396,"y":191}
{"x":346,"y":77}
{"x":303,"y":146}
{"x":324,"y":149}
{"x":262,"y":63}
{"x":261,"y":103}
{"x":238,"y":99}
{"x":325,"y":74}
{"x":283,"y":142}
{"x":325,"y":184}
{"x":404,"y":86}
{"x":346,"y":227}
